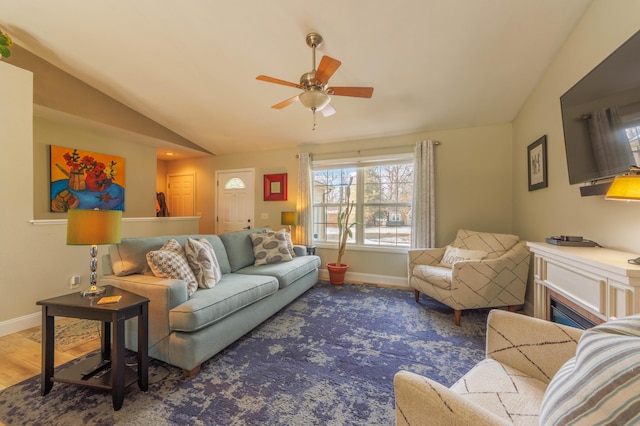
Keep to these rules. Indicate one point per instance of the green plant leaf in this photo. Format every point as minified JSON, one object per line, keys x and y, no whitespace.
{"x":4,"y":51}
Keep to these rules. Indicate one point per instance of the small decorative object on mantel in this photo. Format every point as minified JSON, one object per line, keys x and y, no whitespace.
{"x":275,"y":187}
{"x":338,"y":269}
{"x":537,"y":167}
{"x":5,"y":44}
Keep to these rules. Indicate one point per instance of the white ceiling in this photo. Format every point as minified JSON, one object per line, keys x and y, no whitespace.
{"x":192,"y":65}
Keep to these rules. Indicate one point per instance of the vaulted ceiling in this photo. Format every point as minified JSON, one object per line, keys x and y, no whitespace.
{"x":192,"y":65}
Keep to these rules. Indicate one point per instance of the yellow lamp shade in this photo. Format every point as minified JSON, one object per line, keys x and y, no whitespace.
{"x":89,"y":227}
{"x":289,"y":218}
{"x":626,"y":187}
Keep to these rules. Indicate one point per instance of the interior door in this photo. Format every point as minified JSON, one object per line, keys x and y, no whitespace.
{"x":235,"y":200}
{"x":181,"y":195}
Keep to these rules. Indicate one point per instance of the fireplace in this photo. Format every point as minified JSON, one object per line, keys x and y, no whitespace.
{"x":563,"y":311}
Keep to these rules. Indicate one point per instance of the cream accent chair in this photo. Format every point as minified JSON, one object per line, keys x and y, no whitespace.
{"x":498,"y":279}
{"x":523,"y":354}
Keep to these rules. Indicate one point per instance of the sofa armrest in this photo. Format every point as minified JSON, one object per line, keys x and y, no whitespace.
{"x":164,"y":294}
{"x":299,"y":250}
{"x":420,"y":400}
{"x":533,"y":346}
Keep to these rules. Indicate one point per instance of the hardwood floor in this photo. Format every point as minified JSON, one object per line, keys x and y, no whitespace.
{"x":21,"y":357}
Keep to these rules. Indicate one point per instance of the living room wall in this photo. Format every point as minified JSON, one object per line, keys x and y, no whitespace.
{"x":473,"y":188}
{"x":559,"y":208}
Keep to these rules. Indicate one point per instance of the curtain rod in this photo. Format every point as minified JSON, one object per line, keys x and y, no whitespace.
{"x":358,"y":151}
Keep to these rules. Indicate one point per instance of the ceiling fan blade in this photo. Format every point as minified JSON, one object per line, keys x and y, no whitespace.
{"x":276,"y":81}
{"x":285,"y":103}
{"x":328,"y":110}
{"x":358,"y":92}
{"x":327,"y":67}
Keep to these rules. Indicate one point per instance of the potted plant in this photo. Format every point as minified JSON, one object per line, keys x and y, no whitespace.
{"x":338,"y":269}
{"x":5,"y":44}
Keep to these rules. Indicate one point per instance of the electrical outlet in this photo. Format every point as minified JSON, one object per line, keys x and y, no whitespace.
{"x":74,"y":281}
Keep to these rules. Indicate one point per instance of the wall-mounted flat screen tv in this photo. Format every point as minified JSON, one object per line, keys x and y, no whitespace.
{"x":601,"y":117}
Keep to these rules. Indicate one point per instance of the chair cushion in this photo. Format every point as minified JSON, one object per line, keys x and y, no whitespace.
{"x":439,"y":276}
{"x":494,"y":244}
{"x":600,"y":384}
{"x":504,"y":391}
{"x":454,"y":254}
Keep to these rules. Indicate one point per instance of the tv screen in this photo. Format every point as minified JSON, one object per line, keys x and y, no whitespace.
{"x":601,"y":117}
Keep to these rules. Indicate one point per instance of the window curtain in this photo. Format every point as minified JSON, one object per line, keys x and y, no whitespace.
{"x":423,"y":233}
{"x":304,"y":229}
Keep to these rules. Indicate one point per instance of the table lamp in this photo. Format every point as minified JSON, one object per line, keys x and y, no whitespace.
{"x":289,"y":219}
{"x":625,"y":188}
{"x":93,"y":227}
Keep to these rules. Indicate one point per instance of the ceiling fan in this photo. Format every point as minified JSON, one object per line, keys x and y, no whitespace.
{"x":316,"y":93}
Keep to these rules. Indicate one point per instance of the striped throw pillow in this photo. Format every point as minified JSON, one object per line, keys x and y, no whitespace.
{"x":601,"y":384}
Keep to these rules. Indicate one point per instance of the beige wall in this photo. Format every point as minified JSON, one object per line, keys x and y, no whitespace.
{"x":559,"y":209}
{"x":473,"y":186}
{"x":35,"y":261}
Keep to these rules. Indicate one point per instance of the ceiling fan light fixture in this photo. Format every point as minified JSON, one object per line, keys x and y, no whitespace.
{"x":314,"y":99}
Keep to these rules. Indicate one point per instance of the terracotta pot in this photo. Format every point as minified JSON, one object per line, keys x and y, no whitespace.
{"x":336,"y":273}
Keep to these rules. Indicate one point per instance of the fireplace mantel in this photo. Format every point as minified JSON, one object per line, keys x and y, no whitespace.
{"x":596,"y":279}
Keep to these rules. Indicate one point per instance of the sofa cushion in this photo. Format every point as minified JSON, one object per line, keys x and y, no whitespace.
{"x":270,"y":247}
{"x":207,"y":306}
{"x":203,"y":262}
{"x":494,"y":244}
{"x":504,"y":391}
{"x":454,"y":254}
{"x":286,"y":273}
{"x":239,"y":248}
{"x":129,"y":256}
{"x":170,"y":262}
{"x":600,"y":384}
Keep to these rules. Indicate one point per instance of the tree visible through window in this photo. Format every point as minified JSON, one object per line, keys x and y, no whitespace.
{"x":382,"y":192}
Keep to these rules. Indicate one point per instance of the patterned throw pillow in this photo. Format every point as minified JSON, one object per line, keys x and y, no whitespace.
{"x":270,"y":247}
{"x":203,"y":262}
{"x":600,"y":384}
{"x":287,"y":237}
{"x":170,"y":262}
{"x":454,"y":254}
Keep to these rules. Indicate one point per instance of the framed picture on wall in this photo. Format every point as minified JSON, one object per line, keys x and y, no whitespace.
{"x":275,"y":187}
{"x":85,"y":180}
{"x":537,"y":164}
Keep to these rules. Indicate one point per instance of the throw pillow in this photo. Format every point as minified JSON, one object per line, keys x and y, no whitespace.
{"x":287,"y":237}
{"x":454,"y":254}
{"x":203,"y":262}
{"x":600,"y":384}
{"x":170,"y":262}
{"x":270,"y":247}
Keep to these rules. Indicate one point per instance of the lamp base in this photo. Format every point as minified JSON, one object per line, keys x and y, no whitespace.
{"x":93,"y":291}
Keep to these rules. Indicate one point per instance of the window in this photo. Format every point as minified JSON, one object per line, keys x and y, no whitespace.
{"x":382,"y":189}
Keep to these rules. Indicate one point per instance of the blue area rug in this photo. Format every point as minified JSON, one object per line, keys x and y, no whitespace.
{"x":326,"y":359}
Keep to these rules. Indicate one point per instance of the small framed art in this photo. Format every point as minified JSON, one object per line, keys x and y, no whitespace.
{"x":275,"y":187}
{"x":537,"y":167}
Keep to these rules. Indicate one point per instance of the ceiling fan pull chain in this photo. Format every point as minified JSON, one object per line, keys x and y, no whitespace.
{"x":313,"y":110}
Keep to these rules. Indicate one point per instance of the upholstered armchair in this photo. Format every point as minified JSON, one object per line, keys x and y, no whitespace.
{"x":477,"y":270}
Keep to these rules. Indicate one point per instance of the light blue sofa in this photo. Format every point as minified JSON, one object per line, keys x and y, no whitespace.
{"x":186,"y":331}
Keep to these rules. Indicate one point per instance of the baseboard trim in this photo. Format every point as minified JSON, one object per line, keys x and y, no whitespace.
{"x":21,"y":323}
{"x":360,"y":278}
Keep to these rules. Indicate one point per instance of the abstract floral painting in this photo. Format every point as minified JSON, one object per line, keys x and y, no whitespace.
{"x":86,"y":180}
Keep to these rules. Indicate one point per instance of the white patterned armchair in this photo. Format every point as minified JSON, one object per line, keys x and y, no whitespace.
{"x":477,"y":270}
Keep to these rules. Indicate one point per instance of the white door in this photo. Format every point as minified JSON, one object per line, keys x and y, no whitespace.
{"x":235,"y":201}
{"x":181,"y":199}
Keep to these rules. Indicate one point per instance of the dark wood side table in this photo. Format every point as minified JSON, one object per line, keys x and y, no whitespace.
{"x":106,"y":370}
{"x":311,"y":250}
